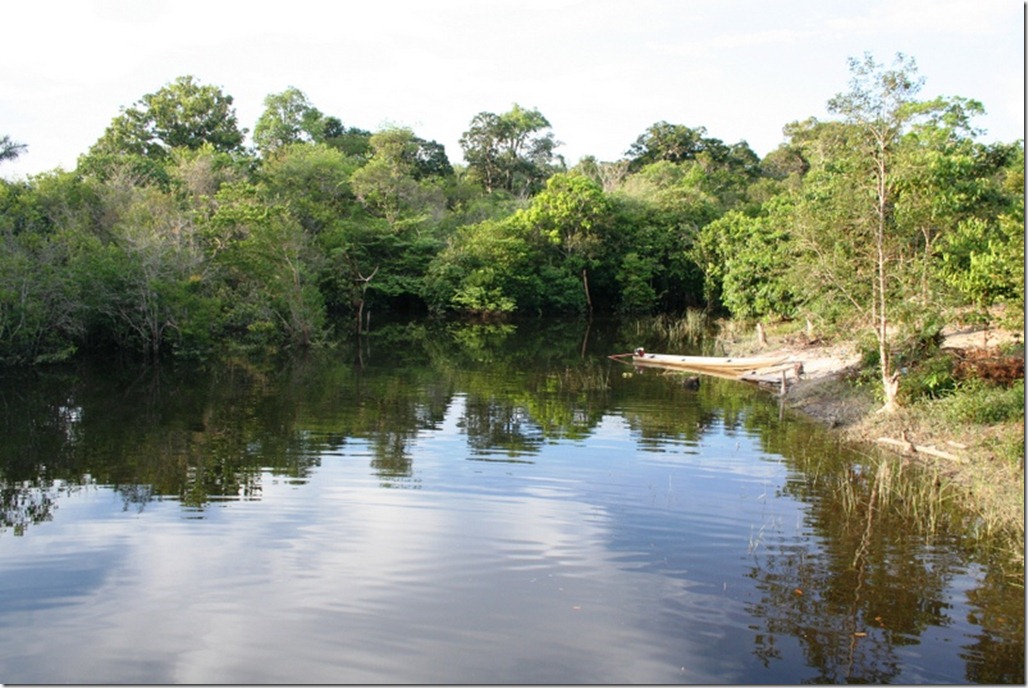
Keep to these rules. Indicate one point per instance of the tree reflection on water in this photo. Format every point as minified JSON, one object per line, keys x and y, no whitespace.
{"x":865,"y":582}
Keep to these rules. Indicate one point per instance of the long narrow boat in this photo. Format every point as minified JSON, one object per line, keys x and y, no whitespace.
{"x":733,"y":366}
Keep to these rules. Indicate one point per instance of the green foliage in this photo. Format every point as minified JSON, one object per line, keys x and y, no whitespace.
{"x":10,"y":150}
{"x":182,"y":114}
{"x":676,"y":192}
{"x":40,"y":308}
{"x":661,"y":243}
{"x":885,"y":194}
{"x":979,"y":402}
{"x":511,"y":152}
{"x":535,"y":261}
{"x":675,"y":143}
{"x":931,"y":378}
{"x":289,"y":117}
{"x":266,"y":286}
{"x":137,"y":276}
{"x":746,"y":261}
{"x":486,"y":270}
{"x":171,"y":238}
{"x":571,"y":213}
{"x":196,"y":175}
{"x":479,"y":295}
{"x":984,"y":261}
{"x":20,"y":209}
{"x":400,"y":182}
{"x":314,"y":181}
{"x":635,"y":278}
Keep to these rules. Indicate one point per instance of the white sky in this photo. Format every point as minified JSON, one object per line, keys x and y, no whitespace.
{"x":601,"y":71}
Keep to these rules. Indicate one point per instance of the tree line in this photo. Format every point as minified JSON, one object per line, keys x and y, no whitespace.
{"x":173,"y":236}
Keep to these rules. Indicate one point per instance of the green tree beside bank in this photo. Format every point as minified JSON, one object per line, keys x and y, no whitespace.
{"x":172,"y":237}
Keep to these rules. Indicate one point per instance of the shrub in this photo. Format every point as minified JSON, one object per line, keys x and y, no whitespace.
{"x":932,"y":378}
{"x":976,"y":401}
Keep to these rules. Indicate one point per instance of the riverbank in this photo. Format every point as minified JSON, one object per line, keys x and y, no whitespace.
{"x":974,"y":458}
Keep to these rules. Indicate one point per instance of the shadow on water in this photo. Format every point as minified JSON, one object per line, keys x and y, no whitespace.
{"x":866,"y":584}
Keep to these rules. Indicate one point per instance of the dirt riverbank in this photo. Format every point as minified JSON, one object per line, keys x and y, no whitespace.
{"x":967,"y":457}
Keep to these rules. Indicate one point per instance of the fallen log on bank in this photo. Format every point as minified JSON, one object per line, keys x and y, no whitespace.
{"x":911,"y":448}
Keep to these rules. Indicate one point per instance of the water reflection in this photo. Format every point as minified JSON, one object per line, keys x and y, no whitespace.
{"x":547,"y":520}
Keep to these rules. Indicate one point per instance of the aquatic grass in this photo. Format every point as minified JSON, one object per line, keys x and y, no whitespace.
{"x":690,"y":327}
{"x":922,"y":499}
{"x":594,"y":377}
{"x":978,"y":494}
{"x":920,"y":495}
{"x":930,"y":503}
{"x":674,"y":332}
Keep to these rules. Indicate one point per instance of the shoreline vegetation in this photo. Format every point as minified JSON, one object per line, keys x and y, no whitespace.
{"x":178,"y":236}
{"x":977,"y":466}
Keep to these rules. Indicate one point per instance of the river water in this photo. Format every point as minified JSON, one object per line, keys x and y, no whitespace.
{"x":443,"y":504}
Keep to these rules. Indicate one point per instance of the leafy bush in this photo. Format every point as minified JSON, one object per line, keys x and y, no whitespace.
{"x":976,"y":401}
{"x":932,"y":378}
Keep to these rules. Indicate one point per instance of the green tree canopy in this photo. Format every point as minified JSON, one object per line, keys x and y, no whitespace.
{"x":573,"y":214}
{"x":288,"y":117}
{"x":885,"y":183}
{"x":397,"y":183}
{"x":182,"y":114}
{"x":745,"y":262}
{"x":677,"y":143}
{"x":513,"y":152}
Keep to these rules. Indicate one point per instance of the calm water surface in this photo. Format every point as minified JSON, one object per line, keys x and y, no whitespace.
{"x":456,"y":505}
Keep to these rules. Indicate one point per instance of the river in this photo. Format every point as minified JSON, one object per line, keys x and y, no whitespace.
{"x":465,"y":504}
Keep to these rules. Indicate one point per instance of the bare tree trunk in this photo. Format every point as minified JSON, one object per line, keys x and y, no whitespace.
{"x":890,"y":379}
{"x":585,"y":286}
{"x":364,"y":282}
{"x":585,"y":339}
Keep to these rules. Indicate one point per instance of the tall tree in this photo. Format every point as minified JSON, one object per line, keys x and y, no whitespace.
{"x":182,"y":114}
{"x":262,"y":255}
{"x":395,"y":183}
{"x":942,"y":176}
{"x":982,"y":259}
{"x":313,"y":180}
{"x":138,"y":281}
{"x":852,"y":242}
{"x":879,"y":105}
{"x":513,"y":151}
{"x":288,"y":117}
{"x":745,"y":260}
{"x":571,"y":213}
{"x":664,"y":141}
{"x":677,"y":143}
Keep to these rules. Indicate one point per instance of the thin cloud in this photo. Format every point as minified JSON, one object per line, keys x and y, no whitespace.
{"x":955,"y":17}
{"x":734,"y":41}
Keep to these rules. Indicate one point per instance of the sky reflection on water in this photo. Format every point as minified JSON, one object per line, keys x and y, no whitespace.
{"x":626,"y":554}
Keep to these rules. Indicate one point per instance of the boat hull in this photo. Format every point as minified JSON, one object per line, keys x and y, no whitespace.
{"x":712,"y":365}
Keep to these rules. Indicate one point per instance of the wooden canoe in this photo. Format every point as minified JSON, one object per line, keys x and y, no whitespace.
{"x":713,"y":365}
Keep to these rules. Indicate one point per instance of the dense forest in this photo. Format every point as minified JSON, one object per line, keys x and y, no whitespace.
{"x":179,"y":235}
